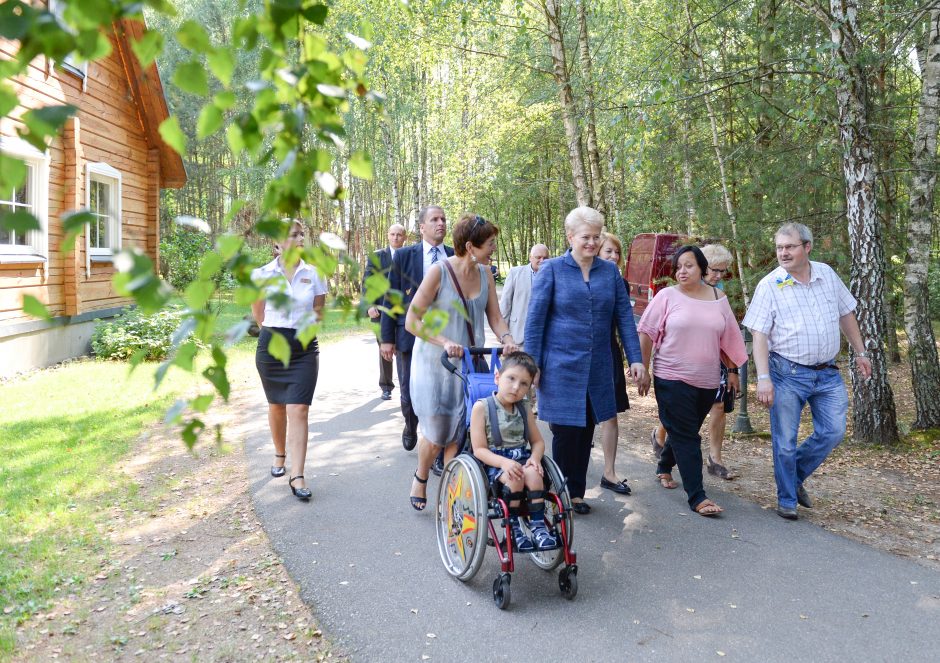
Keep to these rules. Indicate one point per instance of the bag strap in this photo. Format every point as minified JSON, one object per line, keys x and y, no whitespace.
{"x":463,"y":300}
{"x":494,"y":421}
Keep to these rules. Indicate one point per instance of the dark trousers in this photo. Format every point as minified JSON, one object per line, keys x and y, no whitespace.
{"x":385,"y":372}
{"x":571,"y":451}
{"x":403,"y":360}
{"x":682,"y":410}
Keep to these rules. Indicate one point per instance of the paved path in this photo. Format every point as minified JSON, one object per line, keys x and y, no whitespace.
{"x":656,"y":581}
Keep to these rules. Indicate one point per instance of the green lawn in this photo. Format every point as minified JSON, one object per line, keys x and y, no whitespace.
{"x":65,"y":434}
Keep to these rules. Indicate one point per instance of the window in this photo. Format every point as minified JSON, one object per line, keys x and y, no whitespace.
{"x":30,"y":196}
{"x":69,"y":63}
{"x":103,"y":198}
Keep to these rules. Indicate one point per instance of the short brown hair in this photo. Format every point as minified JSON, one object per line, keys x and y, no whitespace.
{"x":522,"y":360}
{"x":472,"y":228}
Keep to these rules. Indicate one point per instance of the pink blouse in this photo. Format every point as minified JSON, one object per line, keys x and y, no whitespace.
{"x":687,"y":336}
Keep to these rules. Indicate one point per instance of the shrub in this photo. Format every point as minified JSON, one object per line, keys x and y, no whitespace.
{"x":131,"y":331}
{"x":181,"y":251}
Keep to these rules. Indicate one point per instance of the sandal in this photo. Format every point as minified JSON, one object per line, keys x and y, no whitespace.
{"x":278,"y":470}
{"x":666,"y":481}
{"x":719,"y":470}
{"x":418,"y":503}
{"x":707,"y":508}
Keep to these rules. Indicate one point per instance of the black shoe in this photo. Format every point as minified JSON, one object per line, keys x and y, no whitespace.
{"x":408,"y":440}
{"x":803,"y":498}
{"x":300,"y":493}
{"x":386,"y":394}
{"x":278,"y":471}
{"x":581,"y":507}
{"x":438,"y":466}
{"x":618,"y":487}
{"x":787,"y":512}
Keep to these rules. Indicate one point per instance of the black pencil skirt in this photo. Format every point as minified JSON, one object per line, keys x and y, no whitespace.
{"x":295,"y":384}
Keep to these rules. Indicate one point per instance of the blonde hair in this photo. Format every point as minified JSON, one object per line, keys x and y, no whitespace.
{"x":613,"y":239}
{"x":583,"y":216}
{"x":716,"y":254}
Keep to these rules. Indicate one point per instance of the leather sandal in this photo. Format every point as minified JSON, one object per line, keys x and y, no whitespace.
{"x":707,"y":508}
{"x":300,"y":493}
{"x":418,"y":503}
{"x":666,"y":480}
{"x":278,"y":471}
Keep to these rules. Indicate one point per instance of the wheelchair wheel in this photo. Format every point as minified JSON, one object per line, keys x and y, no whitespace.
{"x":501,"y":593}
{"x":461,"y":517}
{"x":568,"y":582}
{"x":554,"y":482}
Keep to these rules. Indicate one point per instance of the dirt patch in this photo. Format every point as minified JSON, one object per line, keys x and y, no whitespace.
{"x":888,"y":498}
{"x":188,"y":571}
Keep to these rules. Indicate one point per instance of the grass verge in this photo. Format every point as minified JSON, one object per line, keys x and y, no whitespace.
{"x":66,"y":432}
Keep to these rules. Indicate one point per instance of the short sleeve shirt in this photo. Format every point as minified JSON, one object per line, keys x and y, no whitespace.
{"x":801,"y":320}
{"x":301,"y":291}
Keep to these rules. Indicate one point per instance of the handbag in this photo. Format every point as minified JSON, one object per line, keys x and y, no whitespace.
{"x":479,"y":363}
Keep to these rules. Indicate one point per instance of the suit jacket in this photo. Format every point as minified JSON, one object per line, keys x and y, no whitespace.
{"x":405,"y":275}
{"x":568,"y":334}
{"x":384,"y":257}
{"x":514,"y":303}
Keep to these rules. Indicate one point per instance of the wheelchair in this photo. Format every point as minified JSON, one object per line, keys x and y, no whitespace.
{"x":471,"y":514}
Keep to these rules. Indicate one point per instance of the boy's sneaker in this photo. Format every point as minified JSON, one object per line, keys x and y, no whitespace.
{"x":543,"y":538}
{"x":523,"y":543}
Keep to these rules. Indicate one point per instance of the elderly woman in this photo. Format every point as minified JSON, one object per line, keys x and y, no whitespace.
{"x":576,"y":299}
{"x":690,"y":325}
{"x":612,"y":251}
{"x":462,"y":283}
{"x":289,"y":390}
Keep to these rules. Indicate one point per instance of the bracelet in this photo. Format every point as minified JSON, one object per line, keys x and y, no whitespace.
{"x":504,"y":336}
{"x":763,"y":376}
{"x":863,"y":353}
{"x":734,"y":370}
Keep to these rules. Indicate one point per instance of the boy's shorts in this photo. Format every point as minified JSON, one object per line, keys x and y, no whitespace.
{"x":518,"y":454}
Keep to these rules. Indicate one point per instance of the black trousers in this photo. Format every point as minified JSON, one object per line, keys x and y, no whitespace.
{"x":385,"y":371}
{"x":403,"y":360}
{"x":571,"y":451}
{"x":682,"y":410}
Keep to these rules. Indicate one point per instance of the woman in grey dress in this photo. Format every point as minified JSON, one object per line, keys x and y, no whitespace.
{"x":437,"y":395}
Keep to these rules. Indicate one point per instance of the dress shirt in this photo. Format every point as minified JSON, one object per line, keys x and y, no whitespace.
{"x":302,"y":290}
{"x":426,"y":247}
{"x":801,"y":320}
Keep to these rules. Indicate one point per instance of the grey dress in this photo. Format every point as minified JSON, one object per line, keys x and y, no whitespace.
{"x":436,"y":395}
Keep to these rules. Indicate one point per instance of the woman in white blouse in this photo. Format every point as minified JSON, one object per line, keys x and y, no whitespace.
{"x":294,"y":298}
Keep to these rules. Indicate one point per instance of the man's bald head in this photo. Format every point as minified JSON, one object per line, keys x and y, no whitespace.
{"x":537,"y":254}
{"x":396,"y":235}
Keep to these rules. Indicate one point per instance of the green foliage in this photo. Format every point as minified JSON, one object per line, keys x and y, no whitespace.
{"x":180,"y":254}
{"x":135,"y":333}
{"x":933,"y":288}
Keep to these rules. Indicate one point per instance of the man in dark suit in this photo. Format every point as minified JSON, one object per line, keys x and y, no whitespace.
{"x":408,"y":269}
{"x":382,"y":260}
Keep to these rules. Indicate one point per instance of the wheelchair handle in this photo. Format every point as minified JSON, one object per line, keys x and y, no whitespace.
{"x":474,"y":350}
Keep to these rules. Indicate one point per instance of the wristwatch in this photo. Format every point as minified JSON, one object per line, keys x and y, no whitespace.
{"x":733,"y":370}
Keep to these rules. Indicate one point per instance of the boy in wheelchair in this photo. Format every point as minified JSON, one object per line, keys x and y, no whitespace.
{"x":506,"y":439}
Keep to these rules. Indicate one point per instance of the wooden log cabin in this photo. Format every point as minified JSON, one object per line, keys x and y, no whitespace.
{"x":109,"y":159}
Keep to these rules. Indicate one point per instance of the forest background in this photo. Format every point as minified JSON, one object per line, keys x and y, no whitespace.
{"x":720,"y":120}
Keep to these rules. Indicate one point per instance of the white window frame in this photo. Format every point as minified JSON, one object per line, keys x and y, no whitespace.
{"x":57,"y":9}
{"x":38,"y":184}
{"x":102,"y":172}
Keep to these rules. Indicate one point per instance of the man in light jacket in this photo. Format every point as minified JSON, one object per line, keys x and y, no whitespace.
{"x":517,"y":291}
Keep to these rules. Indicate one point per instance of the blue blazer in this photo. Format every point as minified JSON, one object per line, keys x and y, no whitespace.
{"x":384,"y":258}
{"x":405,"y":276}
{"x":567,"y":332}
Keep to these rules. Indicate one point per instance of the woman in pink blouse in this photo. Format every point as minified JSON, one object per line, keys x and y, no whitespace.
{"x":689,"y":325}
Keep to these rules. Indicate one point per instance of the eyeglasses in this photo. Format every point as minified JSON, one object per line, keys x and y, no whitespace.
{"x":480,"y":221}
{"x":789,"y":247}
{"x":719,"y":271}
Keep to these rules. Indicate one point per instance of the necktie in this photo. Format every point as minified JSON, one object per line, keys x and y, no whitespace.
{"x":433,"y":254}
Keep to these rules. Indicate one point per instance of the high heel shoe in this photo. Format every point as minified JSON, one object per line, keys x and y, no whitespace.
{"x":278,"y":471}
{"x":418,"y":503}
{"x":299,"y":493}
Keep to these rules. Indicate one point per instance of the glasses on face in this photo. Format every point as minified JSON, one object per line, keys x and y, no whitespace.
{"x":789,"y":247}
{"x":720,"y":272}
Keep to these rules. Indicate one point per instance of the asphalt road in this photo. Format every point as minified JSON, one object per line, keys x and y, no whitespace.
{"x":656,"y":582}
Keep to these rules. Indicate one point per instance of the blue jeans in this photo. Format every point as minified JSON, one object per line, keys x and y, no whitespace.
{"x":794,"y":387}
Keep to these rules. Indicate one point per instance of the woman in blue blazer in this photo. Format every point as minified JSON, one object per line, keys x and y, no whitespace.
{"x":576,"y":300}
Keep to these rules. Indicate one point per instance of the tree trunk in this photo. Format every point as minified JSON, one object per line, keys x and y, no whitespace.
{"x":875,"y":419}
{"x":569,"y":113}
{"x":392,"y":174}
{"x":922,"y":347}
{"x":726,"y":193}
{"x":598,"y":189}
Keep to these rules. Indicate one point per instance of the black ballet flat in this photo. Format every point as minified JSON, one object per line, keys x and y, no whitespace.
{"x":300,"y":493}
{"x":278,"y":471}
